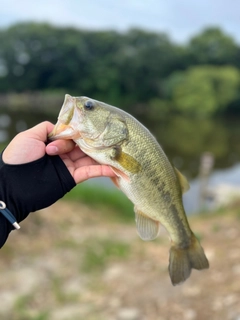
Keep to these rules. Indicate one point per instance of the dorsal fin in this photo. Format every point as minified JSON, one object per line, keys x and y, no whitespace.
{"x":182,"y":180}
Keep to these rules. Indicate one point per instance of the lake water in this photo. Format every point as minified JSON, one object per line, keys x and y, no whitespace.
{"x":183,"y":140}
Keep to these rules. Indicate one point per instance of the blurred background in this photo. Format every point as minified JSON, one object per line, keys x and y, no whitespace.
{"x":173,"y":65}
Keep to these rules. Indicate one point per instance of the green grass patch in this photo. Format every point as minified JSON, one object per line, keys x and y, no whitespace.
{"x":99,"y":252}
{"x":67,"y":244}
{"x":102,"y":197}
{"x":61,"y":295}
{"x":237,"y":213}
{"x":23,"y":309}
{"x":216,"y":227}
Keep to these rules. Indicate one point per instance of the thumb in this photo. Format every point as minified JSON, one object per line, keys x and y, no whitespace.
{"x":40,"y":131}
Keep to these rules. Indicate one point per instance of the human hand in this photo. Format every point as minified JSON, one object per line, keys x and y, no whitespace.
{"x":29,"y":146}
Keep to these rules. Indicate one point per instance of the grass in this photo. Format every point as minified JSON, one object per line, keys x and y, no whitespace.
{"x":96,"y":196}
{"x":98,"y":253}
{"x":216,"y":227}
{"x":22,"y":309}
{"x":61,"y":295}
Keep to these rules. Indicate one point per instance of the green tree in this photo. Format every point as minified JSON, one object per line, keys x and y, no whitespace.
{"x":144,"y":61}
{"x":204,"y":90}
{"x":213,"y":46}
{"x":133,"y":70}
{"x":34,"y":57}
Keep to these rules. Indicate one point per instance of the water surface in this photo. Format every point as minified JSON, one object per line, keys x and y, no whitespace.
{"x":183,"y":140}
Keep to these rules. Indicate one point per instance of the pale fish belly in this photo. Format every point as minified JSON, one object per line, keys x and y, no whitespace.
{"x":156,"y":202}
{"x":148,"y":197}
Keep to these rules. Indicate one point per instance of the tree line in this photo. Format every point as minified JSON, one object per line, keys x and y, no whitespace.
{"x":141,"y":71}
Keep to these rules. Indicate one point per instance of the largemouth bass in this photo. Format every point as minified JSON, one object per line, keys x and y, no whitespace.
{"x":143,"y":172}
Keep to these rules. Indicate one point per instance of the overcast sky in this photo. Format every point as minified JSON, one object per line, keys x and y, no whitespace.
{"x":181,"y":19}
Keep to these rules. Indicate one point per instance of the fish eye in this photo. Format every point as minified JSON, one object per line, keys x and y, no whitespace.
{"x":88,"y":105}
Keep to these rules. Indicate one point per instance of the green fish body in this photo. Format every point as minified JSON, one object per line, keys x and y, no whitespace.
{"x":143,"y":172}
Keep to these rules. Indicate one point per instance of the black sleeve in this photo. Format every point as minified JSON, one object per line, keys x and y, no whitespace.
{"x":32,"y":186}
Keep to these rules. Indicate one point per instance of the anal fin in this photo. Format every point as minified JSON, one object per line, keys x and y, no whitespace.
{"x":147,"y":228}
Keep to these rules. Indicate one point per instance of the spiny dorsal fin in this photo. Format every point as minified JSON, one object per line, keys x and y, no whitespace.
{"x":147,"y":228}
{"x":183,"y":181}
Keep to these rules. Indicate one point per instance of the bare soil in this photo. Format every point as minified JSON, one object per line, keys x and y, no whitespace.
{"x":41,"y":275}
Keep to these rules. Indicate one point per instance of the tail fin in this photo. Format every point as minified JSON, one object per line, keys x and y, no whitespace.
{"x":182,"y":261}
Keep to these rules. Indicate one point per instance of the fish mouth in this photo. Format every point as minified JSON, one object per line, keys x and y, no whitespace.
{"x":63,"y":129}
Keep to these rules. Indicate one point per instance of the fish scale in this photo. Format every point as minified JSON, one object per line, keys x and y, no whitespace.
{"x":143,"y":172}
{"x":150,"y":199}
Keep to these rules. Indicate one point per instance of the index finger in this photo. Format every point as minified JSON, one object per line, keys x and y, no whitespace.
{"x":58,"y":147}
{"x":84,"y":173}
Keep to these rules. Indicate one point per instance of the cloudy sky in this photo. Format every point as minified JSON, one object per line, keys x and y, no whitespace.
{"x":179,"y":18}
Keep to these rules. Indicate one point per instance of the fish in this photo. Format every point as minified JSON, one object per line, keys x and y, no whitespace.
{"x":143,"y":172}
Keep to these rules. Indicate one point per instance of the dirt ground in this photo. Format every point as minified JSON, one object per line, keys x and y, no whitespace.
{"x":42,"y":275}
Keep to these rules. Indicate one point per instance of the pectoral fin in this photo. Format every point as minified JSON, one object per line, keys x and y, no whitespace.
{"x":147,"y":228}
{"x":119,"y":174}
{"x":115,"y":181}
{"x":126,"y":160}
{"x":183,"y":181}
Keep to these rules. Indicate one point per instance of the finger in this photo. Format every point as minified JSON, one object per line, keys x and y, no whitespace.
{"x":85,"y":173}
{"x":60,"y":147}
{"x":74,"y":165}
{"x":85,"y":161}
{"x":76,"y":154}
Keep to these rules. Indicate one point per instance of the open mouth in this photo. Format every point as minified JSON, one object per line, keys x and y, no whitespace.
{"x":62,"y":131}
{"x":64,"y":128}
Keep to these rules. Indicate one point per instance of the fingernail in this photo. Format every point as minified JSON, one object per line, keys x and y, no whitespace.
{"x":52,"y":150}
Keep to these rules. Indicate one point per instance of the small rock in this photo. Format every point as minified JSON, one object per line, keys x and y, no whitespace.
{"x":218,"y":277}
{"x":191,"y":291}
{"x":128,"y":314}
{"x":232,"y":233}
{"x":217,"y":305}
{"x":190,"y":314}
{"x":210,"y":253}
{"x":70,"y":312}
{"x":233,"y":315}
{"x":234,"y":254}
{"x":7,"y":299}
{"x":114,"y":302}
{"x":230,"y":299}
{"x":113,"y":272}
{"x":236,"y":269}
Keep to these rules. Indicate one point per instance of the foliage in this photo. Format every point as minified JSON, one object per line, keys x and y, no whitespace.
{"x":22,"y":309}
{"x":99,"y":252}
{"x":130,"y":70}
{"x":204,"y":90}
{"x":212,"y":46}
